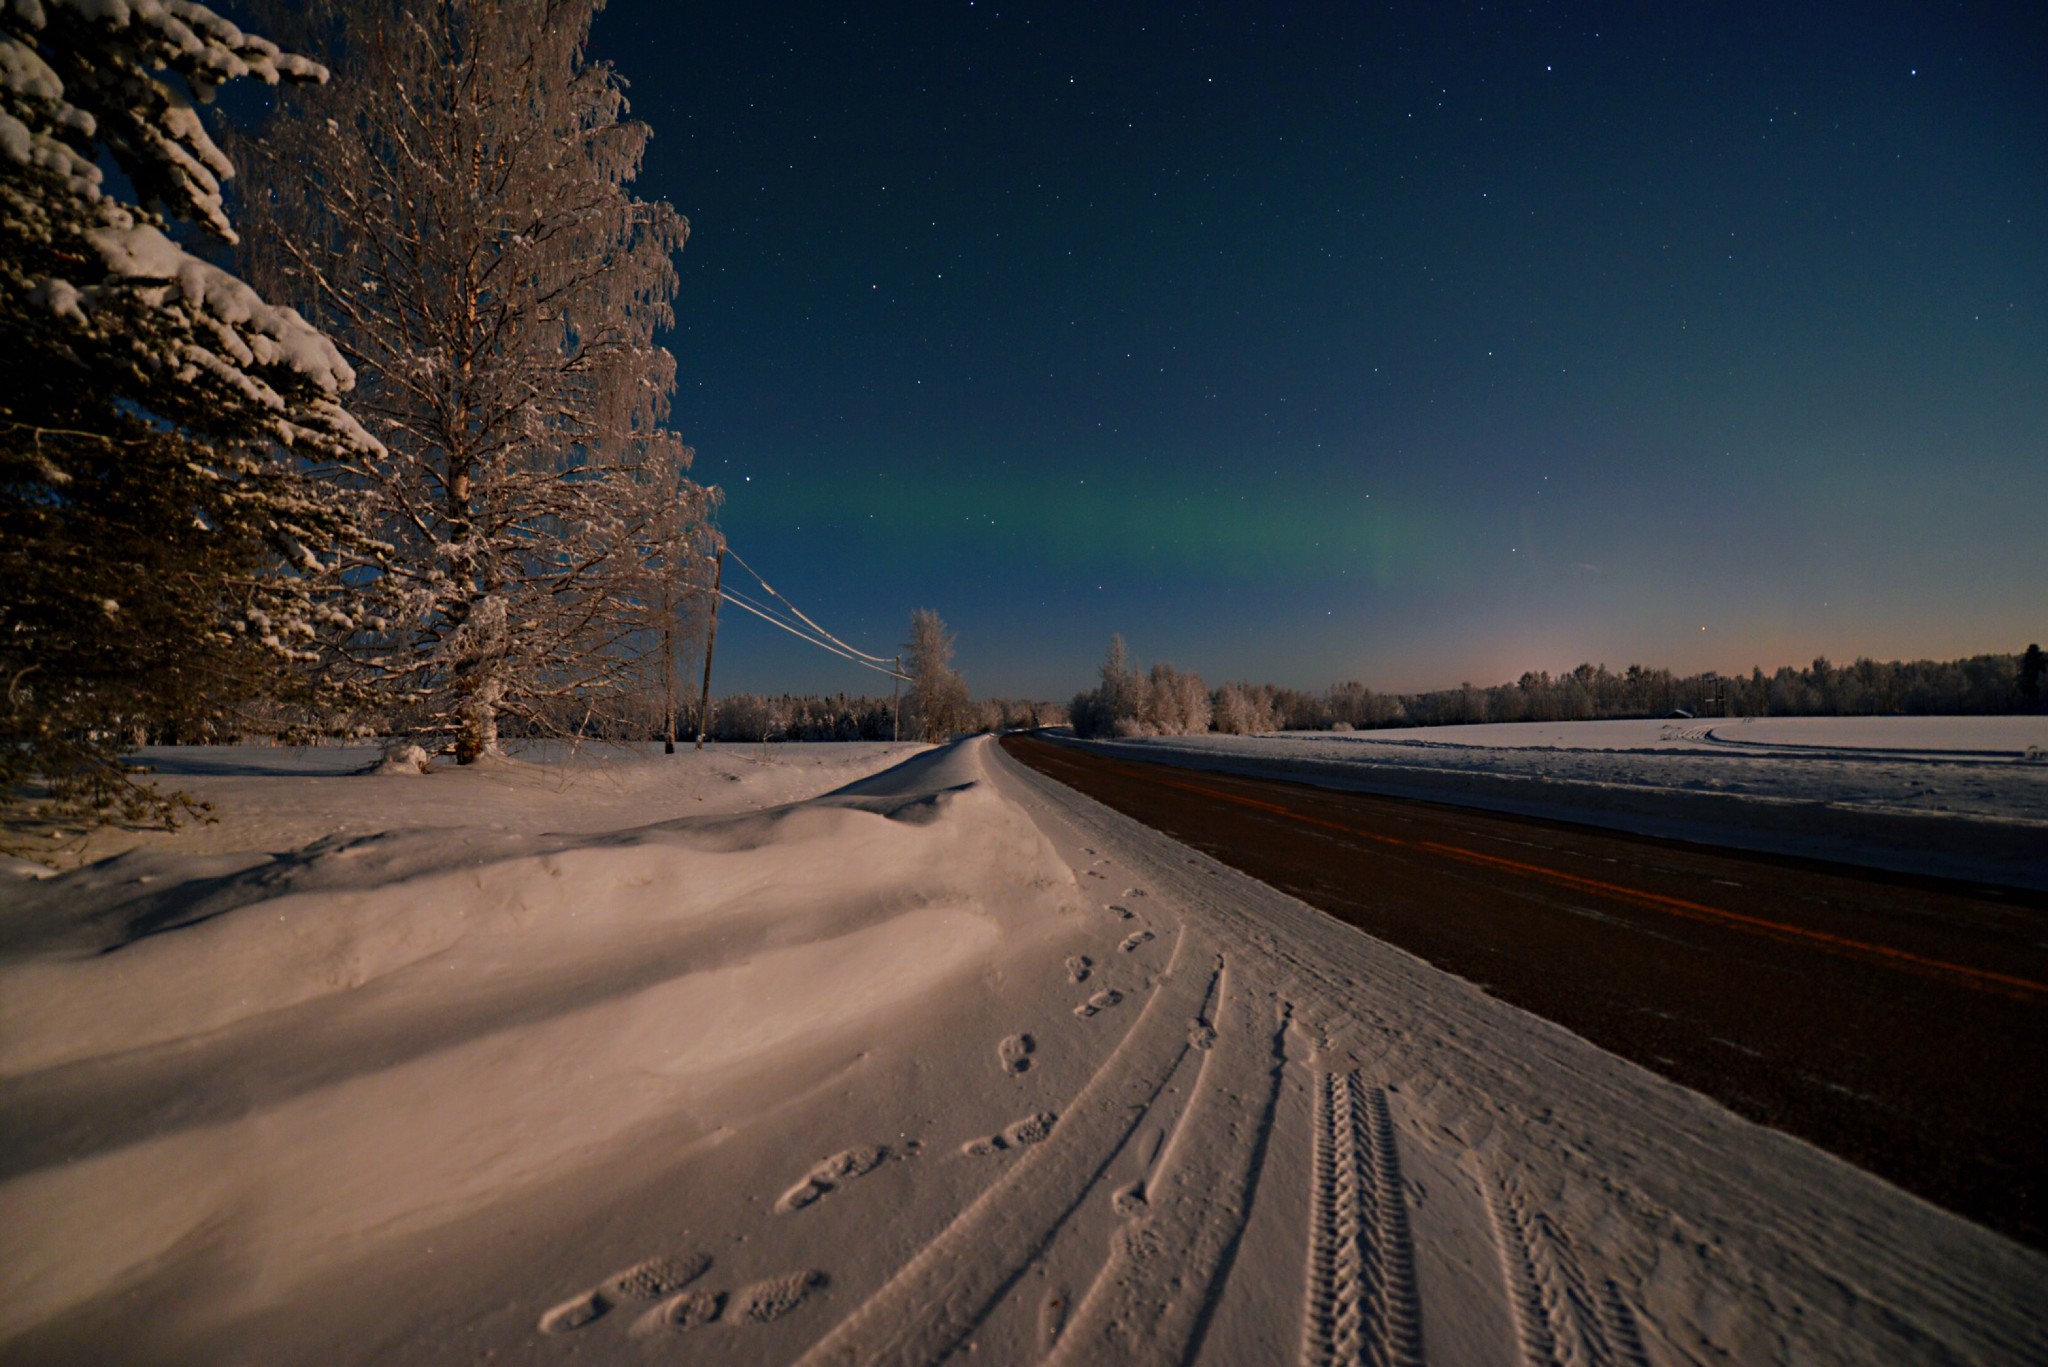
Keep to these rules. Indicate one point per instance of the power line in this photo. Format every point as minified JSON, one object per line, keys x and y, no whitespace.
{"x":772,"y":620}
{"x":879,"y":669}
{"x":770,"y":614}
{"x":855,"y":650}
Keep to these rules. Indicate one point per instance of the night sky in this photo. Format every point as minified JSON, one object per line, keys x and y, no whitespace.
{"x":1409,"y":344}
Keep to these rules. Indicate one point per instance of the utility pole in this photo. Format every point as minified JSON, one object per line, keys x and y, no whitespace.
{"x":668,"y":685}
{"x":896,"y":698}
{"x":710,"y":640}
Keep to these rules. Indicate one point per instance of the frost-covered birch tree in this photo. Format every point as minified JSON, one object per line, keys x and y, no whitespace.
{"x":455,"y":208}
{"x":938,"y":695}
{"x":160,"y":547}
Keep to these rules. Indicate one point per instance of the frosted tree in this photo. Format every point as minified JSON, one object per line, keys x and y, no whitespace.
{"x":938,"y":695}
{"x":1242,"y":710}
{"x":456,"y":209}
{"x":1122,"y":693}
{"x":161,"y":550}
{"x":1112,"y":708}
{"x":1174,"y":704}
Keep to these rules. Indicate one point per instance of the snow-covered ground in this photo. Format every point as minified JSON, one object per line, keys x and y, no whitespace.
{"x":604,"y":1061}
{"x":1957,"y":796}
{"x":2005,"y":738}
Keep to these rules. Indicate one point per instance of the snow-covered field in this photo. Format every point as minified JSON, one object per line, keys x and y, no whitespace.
{"x":1957,"y":796}
{"x":1963,"y":737}
{"x":628,"y":1060}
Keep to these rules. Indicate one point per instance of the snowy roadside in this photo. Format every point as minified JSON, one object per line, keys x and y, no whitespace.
{"x":270,"y":798}
{"x":949,"y":1059}
{"x":1954,"y":797}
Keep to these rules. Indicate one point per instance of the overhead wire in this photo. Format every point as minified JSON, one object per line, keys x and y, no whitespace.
{"x":774,"y":621}
{"x":770,"y":613}
{"x":855,"y":650}
{"x":879,"y":663}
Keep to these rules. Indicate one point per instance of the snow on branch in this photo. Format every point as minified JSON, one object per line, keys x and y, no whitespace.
{"x":95,"y":76}
{"x":103,"y":280}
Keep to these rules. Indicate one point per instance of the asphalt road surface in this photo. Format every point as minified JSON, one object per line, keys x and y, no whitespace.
{"x":1901,"y":1023}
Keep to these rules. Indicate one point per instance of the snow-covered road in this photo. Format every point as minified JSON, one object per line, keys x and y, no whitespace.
{"x":1441,"y":1177}
{"x":1956,"y":797}
{"x":951,"y":1061}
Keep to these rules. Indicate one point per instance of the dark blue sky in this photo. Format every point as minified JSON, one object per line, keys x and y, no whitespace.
{"x":1409,"y":344}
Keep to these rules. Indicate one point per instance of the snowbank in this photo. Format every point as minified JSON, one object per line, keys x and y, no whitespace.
{"x":273,"y":797}
{"x":415,"y":1025}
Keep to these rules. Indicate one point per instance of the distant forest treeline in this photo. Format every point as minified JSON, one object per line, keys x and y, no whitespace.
{"x":796,"y":717}
{"x":1166,"y":701}
{"x":739,"y":717}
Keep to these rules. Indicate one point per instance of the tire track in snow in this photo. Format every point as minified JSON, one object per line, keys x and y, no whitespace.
{"x":1562,"y":1318}
{"x":1362,"y":1302}
{"x":937,"y":1298}
{"x":1151,"y":1302}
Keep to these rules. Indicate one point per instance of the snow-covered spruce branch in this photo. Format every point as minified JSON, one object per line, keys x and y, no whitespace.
{"x":162,"y":550}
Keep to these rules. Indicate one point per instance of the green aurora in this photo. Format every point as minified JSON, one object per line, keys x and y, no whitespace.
{"x":1114,"y":522}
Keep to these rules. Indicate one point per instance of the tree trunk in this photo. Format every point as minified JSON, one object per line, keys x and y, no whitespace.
{"x":476,"y":718}
{"x":710,"y":640}
{"x":668,"y":680}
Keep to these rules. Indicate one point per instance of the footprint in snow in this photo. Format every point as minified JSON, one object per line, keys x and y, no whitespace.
{"x":1020,"y":1134}
{"x":1129,"y":1200}
{"x":657,"y":1277}
{"x":1015,"y":1053}
{"x":829,"y":1173}
{"x":644,"y":1281}
{"x":1078,"y":968}
{"x":775,"y":1297}
{"x":1132,"y":941}
{"x":691,"y":1310}
{"x":1031,"y":1129}
{"x":1100,"y":1002}
{"x":1201,"y":1034}
{"x":1122,"y":913}
{"x":574,"y":1314}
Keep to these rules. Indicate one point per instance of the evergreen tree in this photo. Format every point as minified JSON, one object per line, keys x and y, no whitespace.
{"x":457,"y":210}
{"x":161,"y":551}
